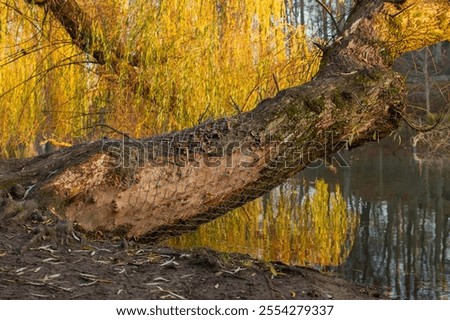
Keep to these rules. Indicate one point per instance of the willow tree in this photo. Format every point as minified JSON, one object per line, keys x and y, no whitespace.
{"x":142,"y":67}
{"x":154,"y":187}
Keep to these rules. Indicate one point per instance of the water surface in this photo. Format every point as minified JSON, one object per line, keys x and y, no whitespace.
{"x":382,"y":221}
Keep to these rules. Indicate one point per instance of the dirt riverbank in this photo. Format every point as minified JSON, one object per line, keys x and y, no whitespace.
{"x":42,"y":257}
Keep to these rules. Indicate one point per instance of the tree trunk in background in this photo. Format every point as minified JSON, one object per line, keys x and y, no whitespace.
{"x":340,"y":13}
{"x":324,"y":24}
{"x":302,"y":12}
{"x":427,"y":80}
{"x":165,"y":185}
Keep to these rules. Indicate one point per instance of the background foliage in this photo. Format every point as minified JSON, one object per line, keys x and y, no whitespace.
{"x":194,"y":60}
{"x":170,"y":64}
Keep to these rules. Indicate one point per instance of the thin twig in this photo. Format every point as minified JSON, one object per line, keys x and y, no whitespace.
{"x":202,"y":116}
{"x":109,"y":127}
{"x":325,"y":7}
{"x":235,"y":105}
{"x":276,"y":82}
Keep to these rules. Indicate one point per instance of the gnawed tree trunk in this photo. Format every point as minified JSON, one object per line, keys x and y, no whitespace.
{"x":165,"y":185}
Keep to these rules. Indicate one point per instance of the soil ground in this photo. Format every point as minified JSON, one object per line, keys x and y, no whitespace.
{"x":42,"y":257}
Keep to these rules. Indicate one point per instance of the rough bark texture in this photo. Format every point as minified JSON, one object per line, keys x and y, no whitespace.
{"x":80,"y":28}
{"x":166,"y":185}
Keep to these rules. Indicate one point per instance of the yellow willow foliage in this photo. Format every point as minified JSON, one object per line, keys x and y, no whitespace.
{"x":193,"y":60}
{"x":39,"y":83}
{"x":201,"y":57}
{"x":419,"y":23}
{"x":292,"y":225}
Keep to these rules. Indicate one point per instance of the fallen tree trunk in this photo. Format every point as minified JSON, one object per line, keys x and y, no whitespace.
{"x":165,"y":185}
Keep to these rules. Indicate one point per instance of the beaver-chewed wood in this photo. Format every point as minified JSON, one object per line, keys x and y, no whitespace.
{"x":165,"y":185}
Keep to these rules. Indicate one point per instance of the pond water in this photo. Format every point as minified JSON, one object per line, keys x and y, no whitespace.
{"x":383,"y":221}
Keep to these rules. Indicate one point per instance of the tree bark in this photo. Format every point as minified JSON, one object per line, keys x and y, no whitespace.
{"x":79,"y":26}
{"x":161,"y":186}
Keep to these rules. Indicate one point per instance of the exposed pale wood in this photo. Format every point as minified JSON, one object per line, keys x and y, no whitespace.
{"x":122,"y":187}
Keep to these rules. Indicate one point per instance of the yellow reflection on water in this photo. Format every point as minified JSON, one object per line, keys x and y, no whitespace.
{"x":295,"y":224}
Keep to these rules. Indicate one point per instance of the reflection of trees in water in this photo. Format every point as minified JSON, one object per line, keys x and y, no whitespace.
{"x":403,"y":238}
{"x":401,"y":242}
{"x":295,"y":223}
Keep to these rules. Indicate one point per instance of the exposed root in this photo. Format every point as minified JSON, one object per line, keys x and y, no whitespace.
{"x":42,"y":225}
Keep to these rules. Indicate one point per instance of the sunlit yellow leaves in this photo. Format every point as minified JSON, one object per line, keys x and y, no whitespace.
{"x":169,"y":65}
{"x":293,"y":224}
{"x":415,"y":24}
{"x":41,"y":87}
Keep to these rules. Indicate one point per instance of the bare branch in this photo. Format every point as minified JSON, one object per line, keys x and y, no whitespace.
{"x":80,"y":28}
{"x":104,"y":125}
{"x":76,"y":22}
{"x":328,"y":10}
